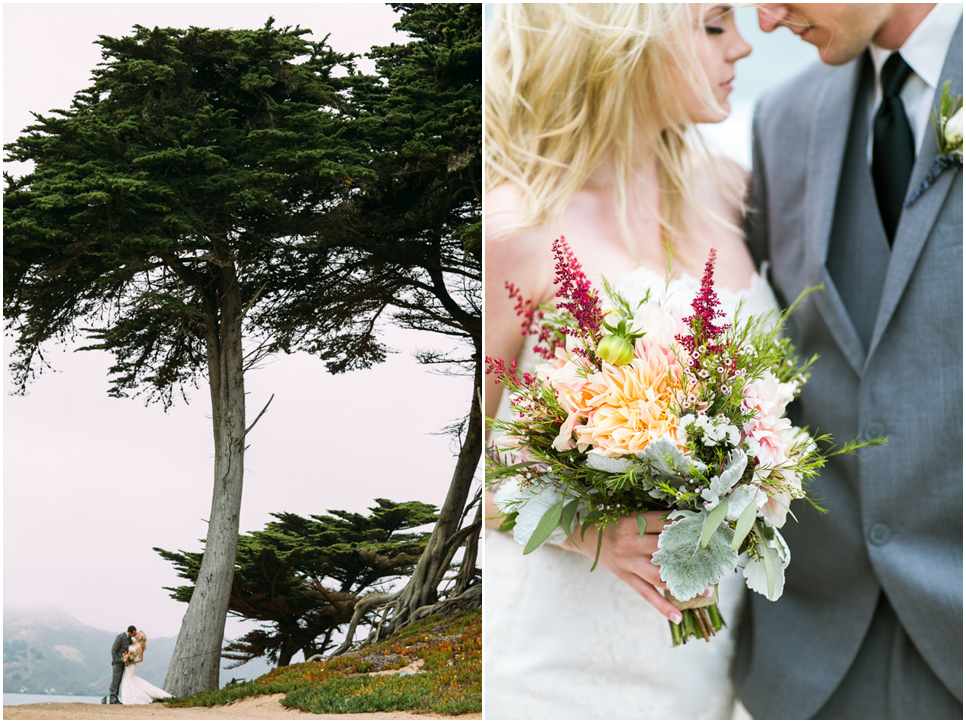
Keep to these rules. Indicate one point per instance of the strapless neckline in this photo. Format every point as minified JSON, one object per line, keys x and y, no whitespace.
{"x":677,"y":292}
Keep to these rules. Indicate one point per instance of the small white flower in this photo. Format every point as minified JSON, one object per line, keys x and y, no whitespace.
{"x":953,"y":130}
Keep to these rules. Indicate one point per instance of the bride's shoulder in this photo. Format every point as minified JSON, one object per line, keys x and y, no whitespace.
{"x":516,"y":251}
{"x":506,"y":232}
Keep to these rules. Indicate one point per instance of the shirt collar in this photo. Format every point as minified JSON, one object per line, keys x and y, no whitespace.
{"x":925,"y":49}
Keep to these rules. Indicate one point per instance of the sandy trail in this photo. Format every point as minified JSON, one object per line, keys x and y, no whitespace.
{"x":263,"y":707}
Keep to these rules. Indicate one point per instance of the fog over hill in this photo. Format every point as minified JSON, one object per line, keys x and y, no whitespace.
{"x":45,"y":650}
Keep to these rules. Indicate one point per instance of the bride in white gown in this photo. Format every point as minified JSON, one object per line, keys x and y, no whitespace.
{"x":135,"y":690}
{"x":588,"y":110}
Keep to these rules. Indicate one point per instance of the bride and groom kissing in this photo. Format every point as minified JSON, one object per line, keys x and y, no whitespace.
{"x":870,"y":622}
{"x":126,"y":687}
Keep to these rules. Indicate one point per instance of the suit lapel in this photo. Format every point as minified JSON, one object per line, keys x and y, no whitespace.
{"x":917,"y":221}
{"x":826,"y":152}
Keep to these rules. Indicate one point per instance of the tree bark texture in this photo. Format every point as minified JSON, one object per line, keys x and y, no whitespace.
{"x":196,"y":659}
{"x":468,"y":566}
{"x":422,"y":586}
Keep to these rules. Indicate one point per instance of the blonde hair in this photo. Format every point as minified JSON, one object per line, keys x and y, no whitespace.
{"x":142,"y":639}
{"x":572,"y":86}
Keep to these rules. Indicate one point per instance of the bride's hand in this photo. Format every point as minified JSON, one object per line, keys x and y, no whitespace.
{"x":627,"y":554}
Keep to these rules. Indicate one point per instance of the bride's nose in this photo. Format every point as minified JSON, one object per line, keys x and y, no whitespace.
{"x":739,"y":49}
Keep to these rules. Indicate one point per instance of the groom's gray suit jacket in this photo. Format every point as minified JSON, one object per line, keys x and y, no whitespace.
{"x":889,"y":330}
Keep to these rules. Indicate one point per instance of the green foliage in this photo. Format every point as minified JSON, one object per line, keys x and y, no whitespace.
{"x":301,"y":577}
{"x":407,"y":244}
{"x":450,"y":682}
{"x":199,"y":159}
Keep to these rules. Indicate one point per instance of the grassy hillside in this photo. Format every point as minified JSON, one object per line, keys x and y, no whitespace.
{"x":448,"y":683}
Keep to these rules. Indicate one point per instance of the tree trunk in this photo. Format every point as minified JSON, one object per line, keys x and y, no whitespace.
{"x":422,"y":586}
{"x":196,"y":659}
{"x":468,"y":566}
{"x":285,"y":653}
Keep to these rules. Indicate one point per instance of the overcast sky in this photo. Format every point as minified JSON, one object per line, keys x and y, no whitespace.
{"x":91,"y":484}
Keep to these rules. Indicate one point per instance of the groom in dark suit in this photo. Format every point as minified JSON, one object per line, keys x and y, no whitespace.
{"x":120,"y":646}
{"x":871,"y":621}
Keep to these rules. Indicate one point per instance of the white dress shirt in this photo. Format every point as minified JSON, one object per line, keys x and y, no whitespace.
{"x":925,"y":52}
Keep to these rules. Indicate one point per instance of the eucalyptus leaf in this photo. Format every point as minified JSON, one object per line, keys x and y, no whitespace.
{"x":686,"y":567}
{"x":767,"y":575}
{"x":546,"y":525}
{"x":739,"y":499}
{"x":641,"y":525}
{"x":713,"y":523}
{"x":567,"y":518}
{"x":744,"y":524}
{"x":600,"y":539}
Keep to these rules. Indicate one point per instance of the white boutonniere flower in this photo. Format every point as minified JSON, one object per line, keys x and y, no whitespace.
{"x":953,"y":133}
{"x":948,"y":124}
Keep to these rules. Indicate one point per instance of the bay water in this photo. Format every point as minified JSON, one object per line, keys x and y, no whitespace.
{"x":30,"y":698}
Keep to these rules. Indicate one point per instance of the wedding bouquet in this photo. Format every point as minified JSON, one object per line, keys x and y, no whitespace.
{"x":129,"y":658}
{"x":635,"y":410}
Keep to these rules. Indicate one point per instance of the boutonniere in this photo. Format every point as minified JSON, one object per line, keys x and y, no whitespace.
{"x":948,"y":124}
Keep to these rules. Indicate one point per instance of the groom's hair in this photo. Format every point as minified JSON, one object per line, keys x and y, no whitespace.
{"x":131,"y":630}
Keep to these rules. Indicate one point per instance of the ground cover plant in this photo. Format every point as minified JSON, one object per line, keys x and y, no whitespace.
{"x":448,"y":683}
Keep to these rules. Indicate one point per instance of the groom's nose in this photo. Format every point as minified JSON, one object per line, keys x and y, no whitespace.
{"x":770,"y":15}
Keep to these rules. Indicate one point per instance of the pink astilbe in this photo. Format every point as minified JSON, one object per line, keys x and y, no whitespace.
{"x":523,"y":307}
{"x":576,"y":294}
{"x":532,"y":324}
{"x":704,"y":332}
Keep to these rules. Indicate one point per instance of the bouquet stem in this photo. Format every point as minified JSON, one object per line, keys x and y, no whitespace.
{"x":700,"y":617}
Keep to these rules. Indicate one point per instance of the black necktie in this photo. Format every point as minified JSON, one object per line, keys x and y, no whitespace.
{"x":893,"y":152}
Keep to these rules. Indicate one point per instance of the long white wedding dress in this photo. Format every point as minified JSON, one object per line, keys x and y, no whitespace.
{"x":138,"y":691}
{"x":561,"y":642}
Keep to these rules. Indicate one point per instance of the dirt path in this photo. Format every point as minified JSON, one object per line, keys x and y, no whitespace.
{"x":264,"y":707}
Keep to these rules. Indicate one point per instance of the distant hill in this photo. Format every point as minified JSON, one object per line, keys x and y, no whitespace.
{"x":45,"y":650}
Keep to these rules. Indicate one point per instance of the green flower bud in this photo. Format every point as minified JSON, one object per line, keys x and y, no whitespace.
{"x":615,"y":350}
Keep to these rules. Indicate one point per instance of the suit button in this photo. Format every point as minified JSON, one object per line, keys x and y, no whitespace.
{"x":879,"y":534}
{"x":873,"y":430}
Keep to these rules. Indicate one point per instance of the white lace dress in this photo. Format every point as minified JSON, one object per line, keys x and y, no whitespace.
{"x":138,"y":691}
{"x":561,"y":642}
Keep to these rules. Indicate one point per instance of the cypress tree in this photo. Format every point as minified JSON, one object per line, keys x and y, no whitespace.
{"x":167,"y":209}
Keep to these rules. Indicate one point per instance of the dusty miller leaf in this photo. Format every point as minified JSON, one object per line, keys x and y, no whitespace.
{"x":602,"y":463}
{"x":722,"y":484}
{"x":686,"y":567}
{"x":666,"y":461}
